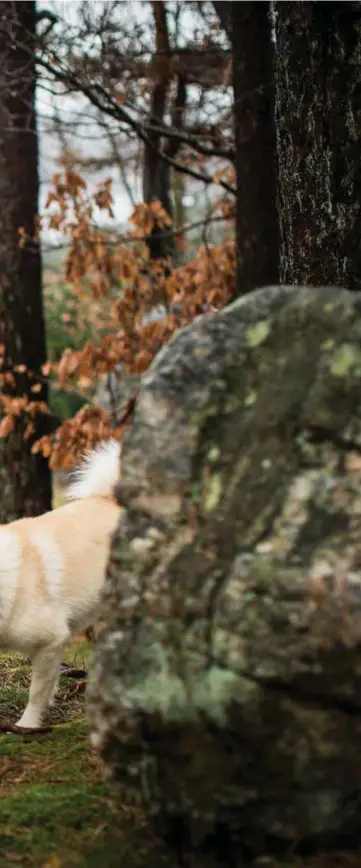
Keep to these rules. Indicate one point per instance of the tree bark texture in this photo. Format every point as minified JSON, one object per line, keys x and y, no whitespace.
{"x":157,"y":172}
{"x":318,"y":119}
{"x":227,"y":675}
{"x":25,"y":478}
{"x":255,"y":137}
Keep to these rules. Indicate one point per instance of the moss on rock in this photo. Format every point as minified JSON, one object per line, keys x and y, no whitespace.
{"x":228,"y":659}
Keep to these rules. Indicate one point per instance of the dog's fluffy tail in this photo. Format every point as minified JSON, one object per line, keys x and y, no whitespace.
{"x":98,"y":473}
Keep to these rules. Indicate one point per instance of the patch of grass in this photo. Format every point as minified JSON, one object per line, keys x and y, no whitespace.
{"x":56,"y":809}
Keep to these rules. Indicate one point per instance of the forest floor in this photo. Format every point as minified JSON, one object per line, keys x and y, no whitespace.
{"x":56,"y":809}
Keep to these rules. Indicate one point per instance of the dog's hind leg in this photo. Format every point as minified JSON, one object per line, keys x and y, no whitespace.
{"x":44,"y":676}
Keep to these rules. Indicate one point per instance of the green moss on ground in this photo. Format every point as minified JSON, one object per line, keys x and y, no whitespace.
{"x":56,"y":809}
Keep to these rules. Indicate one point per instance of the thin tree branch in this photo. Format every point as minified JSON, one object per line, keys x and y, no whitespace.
{"x":172,"y":233}
{"x":102,"y":100}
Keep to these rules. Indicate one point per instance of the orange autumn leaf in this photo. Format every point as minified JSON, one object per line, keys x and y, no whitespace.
{"x":114,"y":291}
{"x":6,"y":426}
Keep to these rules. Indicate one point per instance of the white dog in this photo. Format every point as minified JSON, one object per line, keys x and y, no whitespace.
{"x":52,"y":569}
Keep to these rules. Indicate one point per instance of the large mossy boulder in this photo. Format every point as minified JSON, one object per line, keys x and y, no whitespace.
{"x":227,"y":678}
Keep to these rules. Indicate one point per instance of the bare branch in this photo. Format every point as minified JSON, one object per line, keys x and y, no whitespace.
{"x":171,"y":233}
{"x":103,"y":100}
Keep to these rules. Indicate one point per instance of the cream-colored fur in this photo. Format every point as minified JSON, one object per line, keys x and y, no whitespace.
{"x":52,"y":569}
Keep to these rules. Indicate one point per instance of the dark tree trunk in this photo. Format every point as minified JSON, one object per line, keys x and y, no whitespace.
{"x":257,"y":223}
{"x":318,"y":120}
{"x":223,"y":10}
{"x":157,"y":177}
{"x":25,"y":478}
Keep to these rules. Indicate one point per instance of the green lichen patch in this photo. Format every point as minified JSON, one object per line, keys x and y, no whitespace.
{"x":256,"y":334}
{"x":213,"y":492}
{"x":344,"y":359}
{"x":213,"y":454}
{"x":250,"y":398}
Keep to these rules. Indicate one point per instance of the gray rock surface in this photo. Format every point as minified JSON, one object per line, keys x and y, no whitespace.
{"x":227,"y":678}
